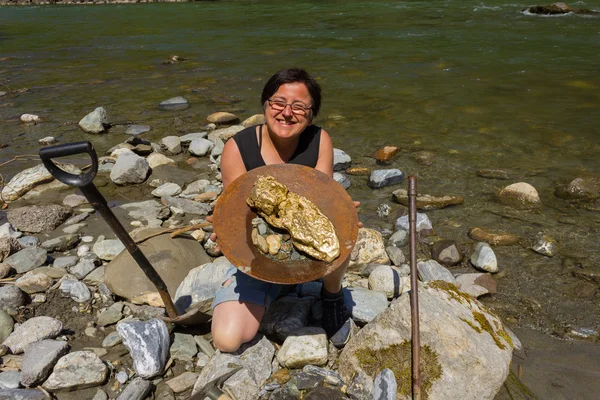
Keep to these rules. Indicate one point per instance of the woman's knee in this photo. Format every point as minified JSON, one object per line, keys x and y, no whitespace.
{"x":227,"y":340}
{"x":234,"y":324}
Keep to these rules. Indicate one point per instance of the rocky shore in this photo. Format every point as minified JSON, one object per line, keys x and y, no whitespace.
{"x":79,"y":320}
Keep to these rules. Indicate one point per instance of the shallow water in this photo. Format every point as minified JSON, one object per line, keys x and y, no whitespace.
{"x":479,"y":84}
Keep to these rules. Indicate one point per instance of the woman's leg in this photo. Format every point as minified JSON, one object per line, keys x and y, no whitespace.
{"x":234,"y":323}
{"x":332,"y":297}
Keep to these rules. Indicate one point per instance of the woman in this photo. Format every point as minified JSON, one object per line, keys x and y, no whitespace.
{"x":291,"y":99}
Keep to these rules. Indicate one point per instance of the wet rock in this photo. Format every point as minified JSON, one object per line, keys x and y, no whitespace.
{"x":111,"y":315}
{"x":36,"y":219}
{"x":156,"y":160}
{"x":6,"y":325}
{"x":369,"y":248}
{"x":427,"y":202}
{"x":174,"y":103}
{"x":587,"y":188}
{"x":341,"y":160}
{"x":74,"y":200}
{"x":22,"y":394}
{"x":108,"y":249}
{"x":424,"y":157}
{"x":256,"y":119}
{"x":307,"y":346}
{"x":61,"y":243}
{"x":32,"y":330}
{"x":148,"y":343}
{"x":34,"y":282}
{"x":200,"y":285}
{"x":137,"y":129}
{"x":29,"y":178}
{"x":483,"y":257}
{"x":222,"y":117}
{"x":76,"y":290}
{"x":182,"y":382}
{"x":11,"y":298}
{"x":95,"y":122}
{"x":464,"y":347}
{"x":27,"y":259}
{"x":423,"y":224}
{"x":385,"y":177}
{"x":545,"y":245}
{"x":396,"y":255}
{"x":493,"y":174}
{"x":342,"y":179}
{"x":385,"y":154}
{"x":520,"y":196}
{"x":39,"y":359}
{"x":557,"y":9}
{"x":432,"y":271}
{"x":387,"y":280}
{"x":137,"y":389}
{"x":183,"y":347}
{"x":363,"y":304}
{"x":129,"y":169}
{"x":495,"y":238}
{"x":446,"y":252}
{"x":285,"y":316}
{"x":167,"y":189}
{"x":76,"y":370}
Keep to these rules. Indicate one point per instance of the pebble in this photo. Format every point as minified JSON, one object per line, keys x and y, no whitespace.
{"x":75,"y":289}
{"x":483,"y":257}
{"x":122,"y":376}
{"x":11,"y":298}
{"x":33,"y":282}
{"x":137,"y":389}
{"x":111,"y":340}
{"x":137,"y":129}
{"x":174,"y":103}
{"x":48,"y":140}
{"x":423,"y":223}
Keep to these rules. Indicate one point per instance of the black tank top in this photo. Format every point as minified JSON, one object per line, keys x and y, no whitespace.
{"x":307,"y":152}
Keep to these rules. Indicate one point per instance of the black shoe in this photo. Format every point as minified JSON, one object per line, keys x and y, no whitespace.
{"x":334,"y":311}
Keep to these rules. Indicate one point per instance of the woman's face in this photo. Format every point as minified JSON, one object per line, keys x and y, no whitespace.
{"x":286,"y":123}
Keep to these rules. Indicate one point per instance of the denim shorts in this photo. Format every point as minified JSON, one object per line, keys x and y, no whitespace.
{"x":237,"y":286}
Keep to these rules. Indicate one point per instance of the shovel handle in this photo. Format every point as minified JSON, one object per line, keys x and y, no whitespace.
{"x":70,"y":149}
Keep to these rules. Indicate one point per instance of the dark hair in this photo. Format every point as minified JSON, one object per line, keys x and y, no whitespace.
{"x":293,"y":75}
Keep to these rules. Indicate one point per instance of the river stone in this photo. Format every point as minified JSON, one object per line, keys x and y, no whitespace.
{"x":196,"y":187}
{"x":587,"y":188}
{"x":74,"y":200}
{"x":423,"y":224}
{"x":22,"y":394}
{"x":111,"y":315}
{"x":285,"y":316}
{"x":446,"y":252}
{"x":484,"y":280}
{"x":76,"y":290}
{"x":95,"y":122}
{"x":369,"y":248}
{"x":385,"y":177}
{"x":77,"y":370}
{"x":224,"y":134}
{"x":157,"y":159}
{"x":167,"y":189}
{"x":27,"y":259}
{"x":256,"y":356}
{"x":520,"y":196}
{"x":82,"y":268}
{"x":495,"y":238}
{"x":5,"y":270}
{"x":396,"y":255}
{"x":11,"y":298}
{"x":188,"y":206}
{"x":32,"y":330}
{"x":187,"y":139}
{"x":149,"y":211}
{"x":424,"y":157}
{"x":363,"y":304}
{"x":545,"y":245}
{"x":307,"y":346}
{"x":341,"y":160}
{"x":137,"y":129}
{"x":182,"y":382}
{"x":137,"y":389}
{"x":342,"y":179}
{"x":29,"y":178}
{"x":75,"y":228}
{"x":129,"y":169}
{"x":218,"y":365}
{"x":493,"y":174}
{"x":427,"y":202}
{"x":39,"y":359}
{"x":201,"y":147}
{"x":385,"y":154}
{"x":148,"y":343}
{"x":34,"y":282}
{"x":432,"y":271}
{"x":6,"y":325}
{"x":174,"y":103}
{"x":111,"y":340}
{"x":36,"y":219}
{"x":200,"y":285}
{"x":483,"y":257}
{"x":8,"y":246}
{"x":10,"y":379}
{"x":465,"y":351}
{"x":170,"y":144}
{"x":108,"y":249}
{"x":183,"y":347}
{"x":387,"y":280}
{"x":222,"y":117}
{"x":61,"y":243}
{"x":29,"y":241}
{"x":173,"y":258}
{"x":77,"y":218}
{"x":400,"y":238}
{"x":256,"y":119}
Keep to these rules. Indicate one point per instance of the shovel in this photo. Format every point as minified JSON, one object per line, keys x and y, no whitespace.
{"x":85,"y":183}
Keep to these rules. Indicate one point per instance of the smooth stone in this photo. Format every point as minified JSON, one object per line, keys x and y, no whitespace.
{"x":422,"y":224}
{"x":341,"y":160}
{"x":82,"y":268}
{"x":22,"y":394}
{"x":137,"y":129}
{"x":363,"y":304}
{"x":11,"y":298}
{"x":171,"y":145}
{"x":174,"y":103}
{"x":61,"y":243}
{"x":167,"y":189}
{"x":156,"y":160}
{"x":33,"y":282}
{"x":108,"y":249}
{"x":385,"y":177}
{"x":74,"y":200}
{"x":111,"y":315}
{"x":77,"y":370}
{"x":77,"y":218}
{"x":148,"y":343}
{"x":5,"y":270}
{"x":342,"y":179}
{"x":111,"y":340}
{"x":224,"y":134}
{"x":32,"y":330}
{"x":182,"y":382}
{"x":387,"y":280}
{"x":493,"y":237}
{"x":521,"y":196}
{"x":307,"y":347}
{"x":95,"y":122}
{"x":10,"y":379}
{"x":6,"y":325}
{"x":129,"y":169}
{"x":28,"y":241}
{"x":100,"y":395}
{"x":137,"y":389}
{"x":39,"y":359}
{"x":432,"y":271}
{"x":76,"y":290}
{"x":483,"y":257}
{"x":256,"y":119}
{"x":29,"y":179}
{"x":385,"y":387}
{"x":201,"y":147}
{"x":222,"y":117}
{"x":427,"y":202}
{"x":96,"y":277}
{"x":369,"y":249}
{"x":385,"y":154}
{"x":121,"y":377}
{"x":27,"y":259}
{"x":188,"y":138}
{"x":446,"y":252}
{"x":75,"y":228}
{"x":400,"y":238}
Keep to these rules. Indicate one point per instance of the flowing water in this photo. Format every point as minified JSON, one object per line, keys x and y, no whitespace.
{"x":478,"y":84}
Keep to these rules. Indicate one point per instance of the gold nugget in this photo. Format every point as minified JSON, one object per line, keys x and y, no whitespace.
{"x":311,"y":231}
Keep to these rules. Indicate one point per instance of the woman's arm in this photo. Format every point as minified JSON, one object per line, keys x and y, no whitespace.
{"x":325,"y":160}
{"x":232,"y":164}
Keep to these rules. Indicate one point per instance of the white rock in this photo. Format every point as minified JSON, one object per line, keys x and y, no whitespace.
{"x":157,"y":159}
{"x":77,"y":370}
{"x":307,"y":346}
{"x":201,"y":147}
{"x":108,"y":249}
{"x":95,"y":121}
{"x":387,"y":280}
{"x":32,"y":330}
{"x":483,"y":257}
{"x":30,"y":118}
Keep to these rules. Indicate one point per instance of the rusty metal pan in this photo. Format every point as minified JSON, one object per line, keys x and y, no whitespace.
{"x":233,"y":223}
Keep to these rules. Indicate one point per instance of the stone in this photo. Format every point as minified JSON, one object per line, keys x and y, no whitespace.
{"x":47,"y":141}
{"x":585,"y":188}
{"x":187,"y":139}
{"x":37,"y":219}
{"x":33,"y":282}
{"x":482,"y":280}
{"x":5,"y":270}
{"x":174,"y":103}
{"x":151,"y":212}
{"x":493,"y":237}
{"x":387,"y":280}
{"x":483,"y":257}
{"x":493,"y":174}
{"x":285,"y":316}
{"x":396,"y":255}
{"x":6,"y":325}
{"x":432,"y":271}
{"x":75,"y":228}
{"x":108,"y":249}
{"x":201,"y":147}
{"x":385,"y":387}
{"x":200,"y":285}
{"x":110,"y":315}
{"x":182,"y":382}
{"x":341,"y":337}
{"x":129,"y":169}
{"x":74,"y":200}
{"x":520,"y":196}
{"x":465,"y":351}
{"x":137,"y":129}
{"x":188,"y":206}
{"x":369,"y":248}
{"x":77,"y":218}
{"x":424,"y":157}
{"x":308,"y":346}
{"x":95,"y":122}
{"x":171,"y":145}
{"x":383,"y":210}
{"x":29,"y":178}
{"x":22,"y":394}
{"x":361,"y":387}
{"x":446,"y":252}
{"x":222,"y":117}
{"x":76,"y":290}
{"x":219,"y":365}
{"x":82,"y":268}
{"x":11,"y":298}
{"x":77,"y":370}
{"x":220,"y":136}
{"x":385,"y":154}
{"x":148,"y":343}
{"x":342,"y":179}
{"x":385,"y":177}
{"x":545,"y":245}
{"x":61,"y":243}
{"x":341,"y":160}
{"x":363,"y":304}
{"x":256,"y":356}
{"x":156,"y":159}
{"x":423,"y":224}
{"x":167,"y":189}
{"x":111,"y":340}
{"x":10,"y":379}
{"x":32,"y":330}
{"x":28,"y":241}
{"x":256,"y":119}
{"x":39,"y":359}
{"x":242,"y":386}
{"x":183,"y":347}
{"x":205,"y":346}
{"x":426,"y":202}
{"x":8,"y":246}
{"x":137,"y":389}
{"x":400,"y":238}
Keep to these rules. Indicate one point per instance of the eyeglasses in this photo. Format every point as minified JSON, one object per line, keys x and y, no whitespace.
{"x":297,"y":108}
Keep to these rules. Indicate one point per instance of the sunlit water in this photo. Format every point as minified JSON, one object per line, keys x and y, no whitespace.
{"x":479,"y":84}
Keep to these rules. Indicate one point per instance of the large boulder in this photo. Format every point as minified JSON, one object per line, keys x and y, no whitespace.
{"x":465,"y":351}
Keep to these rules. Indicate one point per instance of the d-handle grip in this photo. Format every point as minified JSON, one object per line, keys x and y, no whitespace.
{"x":69,"y":149}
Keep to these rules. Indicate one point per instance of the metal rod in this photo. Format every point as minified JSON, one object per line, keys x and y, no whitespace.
{"x":414,"y":288}
{"x":98,"y":201}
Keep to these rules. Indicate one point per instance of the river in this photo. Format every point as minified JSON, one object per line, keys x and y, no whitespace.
{"x":479,"y":84}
